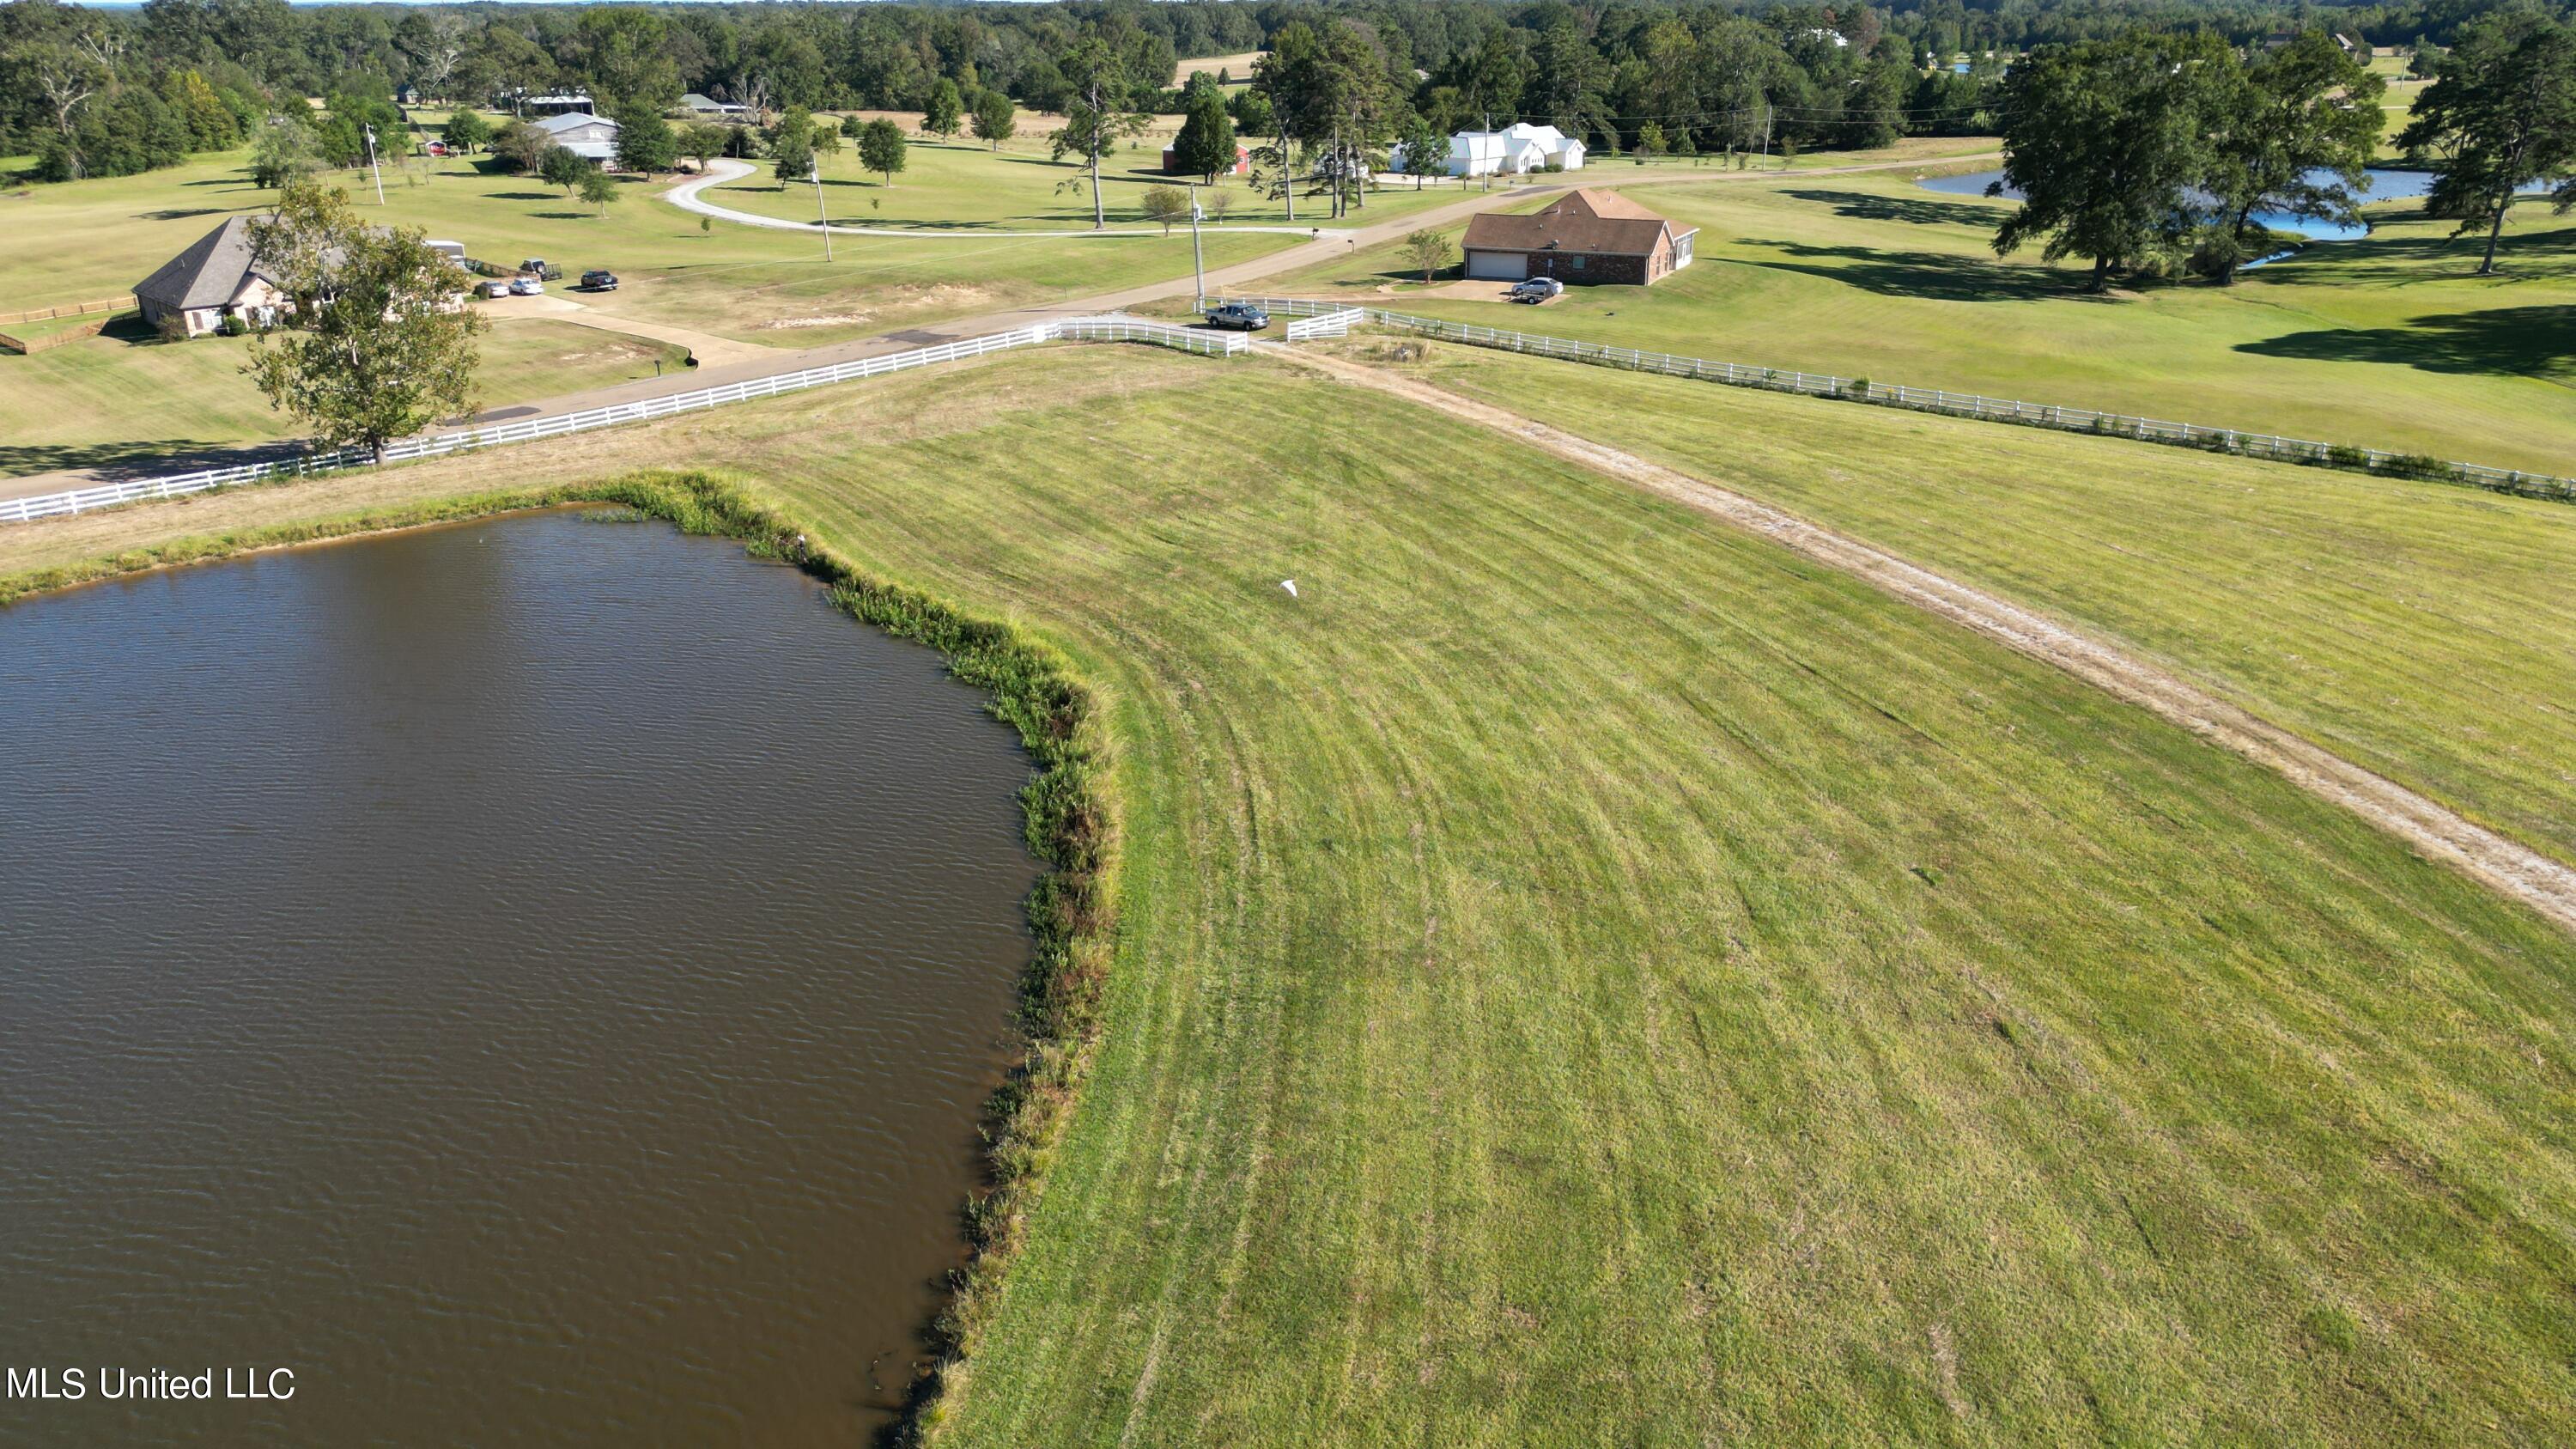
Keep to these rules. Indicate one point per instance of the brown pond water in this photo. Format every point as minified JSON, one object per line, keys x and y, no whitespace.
{"x":535,"y":980}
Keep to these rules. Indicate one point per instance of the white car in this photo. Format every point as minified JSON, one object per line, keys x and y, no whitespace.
{"x":1536,"y":289}
{"x":528,"y":286}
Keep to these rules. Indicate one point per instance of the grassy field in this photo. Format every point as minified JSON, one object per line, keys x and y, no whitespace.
{"x":2387,"y":342}
{"x":2418,"y":629}
{"x":1587,"y":975}
{"x":127,"y":396}
{"x":79,"y":239}
{"x":966,"y":186}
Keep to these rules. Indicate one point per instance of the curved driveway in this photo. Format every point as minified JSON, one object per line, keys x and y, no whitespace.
{"x":685,"y":197}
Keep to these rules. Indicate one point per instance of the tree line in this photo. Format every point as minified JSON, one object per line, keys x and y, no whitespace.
{"x":97,"y":92}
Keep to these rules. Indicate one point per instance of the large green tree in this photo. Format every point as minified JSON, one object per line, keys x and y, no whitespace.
{"x":881,"y":148}
{"x":791,"y":147}
{"x":2295,"y":137}
{"x":2104,"y":140}
{"x":940,"y":113}
{"x":645,"y":141}
{"x":995,"y":117}
{"x":466,"y":130}
{"x":1096,"y":119}
{"x":381,"y":347}
{"x":2501,"y":117}
{"x":1206,"y":141}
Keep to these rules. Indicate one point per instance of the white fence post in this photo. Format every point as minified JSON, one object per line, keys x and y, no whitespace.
{"x":2053,"y":415}
{"x":1116,"y":328}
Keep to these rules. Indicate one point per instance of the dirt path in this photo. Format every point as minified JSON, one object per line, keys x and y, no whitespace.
{"x":2433,"y":829}
{"x":706,"y":347}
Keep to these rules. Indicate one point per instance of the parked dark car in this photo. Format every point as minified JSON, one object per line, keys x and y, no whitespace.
{"x":1240,"y":316}
{"x":599,"y":279}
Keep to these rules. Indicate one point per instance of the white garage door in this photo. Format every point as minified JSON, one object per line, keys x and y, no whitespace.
{"x":1497,"y":266}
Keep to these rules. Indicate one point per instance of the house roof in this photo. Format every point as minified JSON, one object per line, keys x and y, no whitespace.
{"x":1587,"y":220}
{"x":556,"y":125}
{"x":207,"y":274}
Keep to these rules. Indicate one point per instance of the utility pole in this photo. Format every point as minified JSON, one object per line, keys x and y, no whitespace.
{"x":822,"y":217}
{"x":373,"y":167}
{"x":1198,"y":258}
{"x":1766,"y":130}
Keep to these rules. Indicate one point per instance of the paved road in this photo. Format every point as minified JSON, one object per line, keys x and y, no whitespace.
{"x":1240,"y":277}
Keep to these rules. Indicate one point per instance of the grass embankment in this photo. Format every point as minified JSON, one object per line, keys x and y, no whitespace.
{"x":1585,"y":972}
{"x":128,"y":396}
{"x":2419,"y":630}
{"x":2387,"y":342}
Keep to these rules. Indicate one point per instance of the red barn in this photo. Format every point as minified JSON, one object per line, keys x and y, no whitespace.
{"x":1242,"y":163}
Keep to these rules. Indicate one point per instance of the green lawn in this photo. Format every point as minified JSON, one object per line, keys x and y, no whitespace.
{"x":968,"y":186}
{"x":126,"y":396}
{"x":2387,"y":342}
{"x":1587,"y":975}
{"x":2424,"y":631}
{"x":94,"y":238}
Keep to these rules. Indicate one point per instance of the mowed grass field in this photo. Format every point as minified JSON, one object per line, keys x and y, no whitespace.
{"x":1588,"y":975}
{"x":129,"y":397}
{"x":2421,"y":630}
{"x":966,"y":186}
{"x":2386,"y":342}
{"x":75,"y":240}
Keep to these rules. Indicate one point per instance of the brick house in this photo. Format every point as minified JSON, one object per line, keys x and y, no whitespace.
{"x":1584,"y":236}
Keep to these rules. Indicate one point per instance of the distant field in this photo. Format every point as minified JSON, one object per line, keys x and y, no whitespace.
{"x":2421,"y":630}
{"x":2387,"y":342}
{"x":1237,"y":67}
{"x":127,"y":396}
{"x":1586,"y":975}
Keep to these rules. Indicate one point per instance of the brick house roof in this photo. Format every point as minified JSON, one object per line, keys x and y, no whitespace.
{"x":1587,"y":220}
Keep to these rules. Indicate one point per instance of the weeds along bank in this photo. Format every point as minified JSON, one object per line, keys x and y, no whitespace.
{"x":1579,"y":967}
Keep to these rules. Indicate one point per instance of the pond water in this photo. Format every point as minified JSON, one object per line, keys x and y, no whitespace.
{"x":534,"y":980}
{"x":2385,"y":185}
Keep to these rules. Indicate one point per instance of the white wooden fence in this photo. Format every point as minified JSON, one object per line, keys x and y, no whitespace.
{"x":1112,"y":328}
{"x":1927,"y":399}
{"x":1337,"y":322}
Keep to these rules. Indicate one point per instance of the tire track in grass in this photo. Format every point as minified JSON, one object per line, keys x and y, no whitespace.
{"x":2432,"y":829}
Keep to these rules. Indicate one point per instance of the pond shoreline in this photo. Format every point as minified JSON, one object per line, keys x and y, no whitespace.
{"x":1067,"y":810}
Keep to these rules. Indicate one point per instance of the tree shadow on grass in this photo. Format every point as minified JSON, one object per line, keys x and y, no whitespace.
{"x":519,"y":195}
{"x":1921,"y":211}
{"x":2505,"y":341}
{"x":1930,"y":275}
{"x":121,"y":460}
{"x":2382,"y":260}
